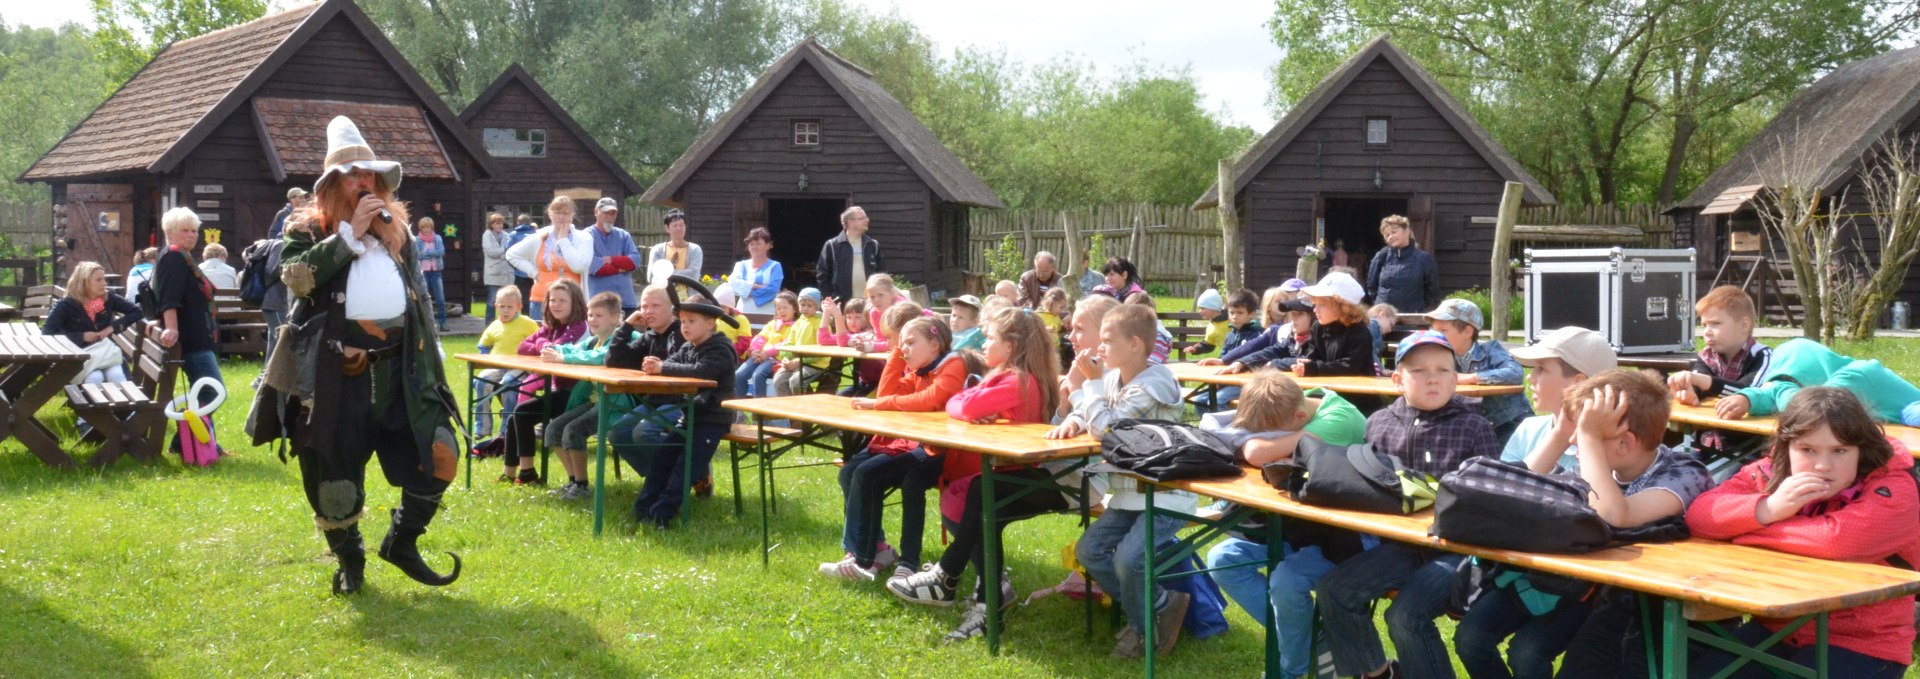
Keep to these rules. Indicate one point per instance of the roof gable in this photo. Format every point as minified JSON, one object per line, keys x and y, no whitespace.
{"x":931,"y":160}
{"x":1303,"y":113}
{"x":163,"y":112}
{"x":516,"y":74}
{"x":1820,"y":136}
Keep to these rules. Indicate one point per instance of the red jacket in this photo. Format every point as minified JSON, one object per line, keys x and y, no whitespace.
{"x":1006,"y":395}
{"x":918,"y":391}
{"x":1881,"y":520}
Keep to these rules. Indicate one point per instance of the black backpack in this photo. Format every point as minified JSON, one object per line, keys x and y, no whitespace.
{"x":1350,"y":477}
{"x":1166,"y":451}
{"x":255,"y":276}
{"x":1503,"y":505}
{"x":148,"y":300}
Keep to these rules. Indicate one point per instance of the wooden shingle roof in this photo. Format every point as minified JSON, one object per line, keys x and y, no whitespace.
{"x":294,"y":134}
{"x":1309,"y":107}
{"x":515,"y":73}
{"x":160,"y":114}
{"x":1820,"y":136}
{"x":931,"y":160}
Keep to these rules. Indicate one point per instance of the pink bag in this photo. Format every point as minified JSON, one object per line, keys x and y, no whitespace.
{"x":195,"y":433}
{"x":193,"y":451}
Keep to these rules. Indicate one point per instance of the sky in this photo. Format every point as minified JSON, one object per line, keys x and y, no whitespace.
{"x":1225,"y":45}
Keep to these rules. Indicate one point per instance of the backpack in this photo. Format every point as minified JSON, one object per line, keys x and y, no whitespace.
{"x":1489,"y":503}
{"x":1166,"y":451}
{"x":147,"y":299}
{"x":255,"y":276}
{"x":1350,"y":477}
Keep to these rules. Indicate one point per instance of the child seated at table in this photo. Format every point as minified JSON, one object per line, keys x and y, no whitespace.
{"x":1619,"y":417}
{"x":922,"y":374}
{"x":1274,"y":415}
{"x":706,"y":354}
{"x":1018,"y":389}
{"x":1429,"y":429}
{"x":1083,"y":337}
{"x":964,"y":319}
{"x":1730,"y":361}
{"x":1277,"y":347}
{"x":756,"y":371}
{"x":1802,"y":362}
{"x":1381,"y":320}
{"x":1162,"y":338}
{"x":1007,"y":290}
{"x":564,"y":323}
{"x":1563,"y":358}
{"x":1054,"y":305}
{"x":1833,"y":486}
{"x":1237,"y":325}
{"x":842,"y":325}
{"x":1339,"y":343}
{"x":1482,"y":363}
{"x":1212,"y":307}
{"x":650,"y":330}
{"x":508,"y":329}
{"x":795,"y":374}
{"x":740,"y":335}
{"x":567,"y":432}
{"x":1113,"y":548}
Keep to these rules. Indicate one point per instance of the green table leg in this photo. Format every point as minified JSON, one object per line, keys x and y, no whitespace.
{"x":1822,"y":647}
{"x":1674,"y":634}
{"x":990,"y":541}
{"x":1276,"y":547}
{"x":686,"y":476}
{"x":470,"y":410}
{"x":760,"y":461}
{"x":599,"y":457}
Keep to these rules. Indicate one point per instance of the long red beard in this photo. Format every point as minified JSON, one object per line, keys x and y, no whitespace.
{"x":329,"y":208}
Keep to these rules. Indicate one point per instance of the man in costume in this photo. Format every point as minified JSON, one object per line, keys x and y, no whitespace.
{"x":367,"y":377}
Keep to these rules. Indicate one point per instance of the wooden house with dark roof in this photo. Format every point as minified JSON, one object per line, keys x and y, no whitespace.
{"x":541,"y":151}
{"x":1820,"y":139}
{"x":814,"y":135}
{"x":1379,"y":136}
{"x":226,"y":122}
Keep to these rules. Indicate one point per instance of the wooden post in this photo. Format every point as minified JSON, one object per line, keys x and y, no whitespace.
{"x":1230,"y":246}
{"x":1136,"y":243}
{"x":1502,"y":283}
{"x":1075,"y":252}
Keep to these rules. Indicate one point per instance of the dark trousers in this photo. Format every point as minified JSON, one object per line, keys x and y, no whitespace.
{"x":335,"y":480}
{"x":1611,"y":643}
{"x":912,"y":473}
{"x":661,"y":497}
{"x":966,"y":545}
{"x":519,"y":427}
{"x":1498,"y":614}
{"x":1840,"y":662}
{"x":1424,"y":579}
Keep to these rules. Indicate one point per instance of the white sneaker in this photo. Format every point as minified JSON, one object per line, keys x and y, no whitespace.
{"x":927,"y":587}
{"x":847,"y":569}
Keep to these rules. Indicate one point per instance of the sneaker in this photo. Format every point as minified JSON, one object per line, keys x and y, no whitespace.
{"x":885,"y":558}
{"x":1128,"y":644}
{"x":847,"y":569}
{"x":901,"y":570}
{"x":1168,"y":620}
{"x":578,"y":491}
{"x":564,"y":492}
{"x":972,"y":624}
{"x":1007,"y":597}
{"x":927,"y":587}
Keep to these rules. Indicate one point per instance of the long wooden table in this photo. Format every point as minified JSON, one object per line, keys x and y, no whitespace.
{"x":33,"y":369}
{"x":605,"y":381}
{"x":998,"y":444}
{"x":1194,"y":373}
{"x":1702,"y":417}
{"x":1694,"y":575}
{"x":844,"y":360}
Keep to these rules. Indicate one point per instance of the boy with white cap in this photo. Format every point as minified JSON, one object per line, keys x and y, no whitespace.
{"x":1481,"y":362}
{"x":1563,"y":358}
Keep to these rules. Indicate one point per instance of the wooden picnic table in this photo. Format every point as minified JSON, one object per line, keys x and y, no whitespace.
{"x":1194,"y":373}
{"x":8,"y":312}
{"x":1002,"y":444}
{"x":33,"y":369}
{"x":605,"y":381}
{"x":1697,"y":578}
{"x":1665,"y":363}
{"x":1702,"y":417}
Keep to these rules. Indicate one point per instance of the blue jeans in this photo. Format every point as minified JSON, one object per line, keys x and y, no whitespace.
{"x":849,"y":533}
{"x":1424,"y":579}
{"x":1113,"y":550}
{"x":198,"y":364}
{"x":1218,"y":401}
{"x":661,"y":497}
{"x":437,"y":289}
{"x":1537,"y":640}
{"x":491,"y":290}
{"x":1287,"y":593}
{"x":752,"y":377}
{"x":533,"y":312}
{"x":635,"y":437}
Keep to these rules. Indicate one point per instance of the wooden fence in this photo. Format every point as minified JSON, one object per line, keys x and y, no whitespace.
{"x":26,"y":226}
{"x":1179,"y":244}
{"x":1573,"y":225}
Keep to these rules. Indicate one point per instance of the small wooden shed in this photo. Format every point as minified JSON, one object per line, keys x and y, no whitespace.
{"x":1379,"y":136}
{"x":814,"y":135}
{"x":542,"y":152}
{"x":1820,"y":138}
{"x":225,"y":123}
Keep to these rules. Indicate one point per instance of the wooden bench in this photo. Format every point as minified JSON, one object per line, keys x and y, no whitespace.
{"x":744,"y":441}
{"x":241,"y":327}
{"x":38,"y":302}
{"x":1187,"y":328}
{"x":127,"y":417}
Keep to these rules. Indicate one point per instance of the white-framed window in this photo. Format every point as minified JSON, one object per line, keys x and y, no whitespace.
{"x":1377,"y":132}
{"x":806,"y":133}
{"x":508,"y":142}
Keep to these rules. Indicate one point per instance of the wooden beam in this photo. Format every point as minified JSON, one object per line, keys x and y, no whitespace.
{"x":1230,"y":246}
{"x":1501,"y":284}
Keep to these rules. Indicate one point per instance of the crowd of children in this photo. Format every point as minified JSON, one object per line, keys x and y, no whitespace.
{"x":1829,"y":484}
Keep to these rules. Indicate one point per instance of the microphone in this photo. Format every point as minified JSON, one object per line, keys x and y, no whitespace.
{"x":385,"y":216}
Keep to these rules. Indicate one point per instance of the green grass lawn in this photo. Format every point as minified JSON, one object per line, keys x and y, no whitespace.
{"x":158,"y":570}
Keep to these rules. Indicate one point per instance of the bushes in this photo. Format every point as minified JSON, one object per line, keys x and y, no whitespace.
{"x":1516,"y":312}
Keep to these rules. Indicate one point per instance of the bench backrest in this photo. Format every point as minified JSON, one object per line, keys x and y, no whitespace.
{"x":39,"y":301}
{"x":155,"y":367}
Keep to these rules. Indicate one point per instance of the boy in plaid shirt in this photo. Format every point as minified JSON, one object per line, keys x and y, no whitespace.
{"x":1433,"y":430}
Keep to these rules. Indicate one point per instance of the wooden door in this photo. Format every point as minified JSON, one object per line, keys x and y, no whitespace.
{"x":100,"y":224}
{"x":749,"y":213}
{"x":1420,"y":217}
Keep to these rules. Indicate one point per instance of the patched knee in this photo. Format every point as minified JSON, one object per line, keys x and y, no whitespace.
{"x":339,"y":500}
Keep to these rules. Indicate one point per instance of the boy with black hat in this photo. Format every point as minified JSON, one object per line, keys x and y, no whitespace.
{"x":706,"y":354}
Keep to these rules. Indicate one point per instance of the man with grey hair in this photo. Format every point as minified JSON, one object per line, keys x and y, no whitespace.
{"x":1035,"y":283}
{"x":849,"y":258}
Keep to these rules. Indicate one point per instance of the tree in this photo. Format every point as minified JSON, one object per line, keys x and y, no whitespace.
{"x":49,"y":80}
{"x":1890,"y":182}
{"x":128,"y":33}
